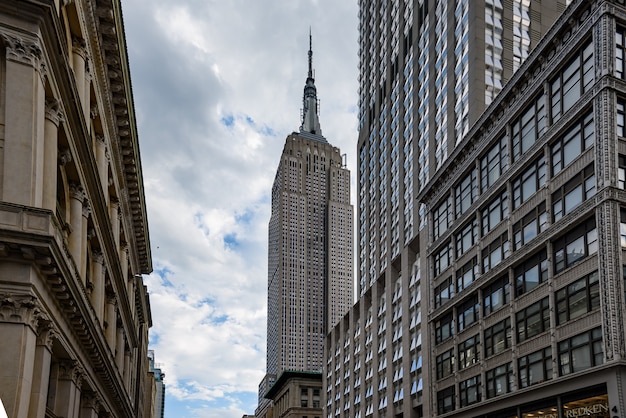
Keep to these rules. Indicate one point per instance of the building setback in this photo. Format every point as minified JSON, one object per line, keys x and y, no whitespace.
{"x":310,"y":255}
{"x":74,"y":312}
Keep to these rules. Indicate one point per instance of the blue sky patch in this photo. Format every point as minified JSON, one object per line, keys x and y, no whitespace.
{"x":228,"y":121}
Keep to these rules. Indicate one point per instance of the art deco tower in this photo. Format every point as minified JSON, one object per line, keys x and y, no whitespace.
{"x":310,"y":251}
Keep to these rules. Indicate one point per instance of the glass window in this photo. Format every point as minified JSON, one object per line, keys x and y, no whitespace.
{"x":499,"y":380}
{"x":573,"y":80}
{"x":530,"y":273}
{"x":444,"y":292}
{"x":533,"y":320}
{"x":535,"y":367}
{"x":445,"y":400}
{"x":444,"y":328}
{"x":496,"y":295}
{"x":467,"y":313}
{"x":467,"y":274}
{"x":498,"y":337}
{"x":578,"y":298}
{"x":527,"y":184}
{"x":620,"y":118}
{"x":469,"y":351}
{"x":622,"y":227}
{"x":441,"y":218}
{"x":581,"y":352}
{"x":528,"y":127}
{"x":531,"y":225}
{"x":581,"y":187}
{"x":620,"y":48}
{"x":569,"y":147}
{"x":575,"y":245}
{"x":443,"y":258}
{"x":469,"y":391}
{"x":493,"y":164}
{"x":621,"y":172}
{"x":466,"y":192}
{"x":445,"y":362}
{"x":466,"y":237}
{"x":495,"y":252}
{"x":495,"y":212}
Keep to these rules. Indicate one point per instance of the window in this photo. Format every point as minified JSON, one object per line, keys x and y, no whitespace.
{"x":575,"y":245}
{"x":620,"y":118}
{"x":445,"y":364}
{"x":495,"y":212}
{"x":535,"y":367}
{"x":465,"y":193}
{"x":575,"y":79}
{"x":531,"y":225}
{"x":467,"y":274}
{"x":581,"y":187}
{"x":469,"y":351}
{"x":444,"y":328}
{"x":496,"y":295}
{"x":466,"y":238}
{"x":493,"y":164}
{"x":444,"y":292}
{"x":495,"y":252}
{"x":445,"y":400}
{"x":443,"y":258}
{"x":530,"y":273}
{"x":622,"y":227}
{"x":621,"y":172}
{"x":528,"y":127}
{"x":441,"y":218}
{"x":467,"y":313}
{"x":533,"y":320}
{"x":498,"y":337}
{"x":529,"y":182}
{"x":581,"y":352}
{"x":578,"y":298}
{"x":499,"y":380}
{"x":569,"y":147}
{"x":469,"y":391}
{"x":620,"y":48}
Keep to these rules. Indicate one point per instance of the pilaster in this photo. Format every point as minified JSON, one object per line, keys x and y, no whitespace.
{"x":77,"y":196}
{"x":97,"y":292}
{"x":111,"y":321}
{"x":41,"y":370}
{"x":67,"y":400}
{"x":82,"y":268}
{"x":90,"y":405}
{"x":54,"y":116}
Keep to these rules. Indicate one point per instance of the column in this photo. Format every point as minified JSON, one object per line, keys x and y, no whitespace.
{"x":127,"y":369}
{"x":22,"y":171}
{"x":51,"y":130}
{"x":119,"y":350}
{"x":18,"y":321}
{"x":124,"y":260}
{"x":111,"y":316}
{"x":97,"y":293}
{"x":77,"y":196}
{"x":79,"y":54}
{"x":115,"y":222}
{"x":41,"y":371}
{"x":90,"y":404}
{"x":67,"y":397}
{"x":101,"y":160}
{"x":83,"y":244}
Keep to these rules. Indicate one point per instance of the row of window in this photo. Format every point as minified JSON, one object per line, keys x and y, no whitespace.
{"x":574,"y":354}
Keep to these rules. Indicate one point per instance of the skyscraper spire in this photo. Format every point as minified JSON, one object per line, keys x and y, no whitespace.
{"x":310,"y":117}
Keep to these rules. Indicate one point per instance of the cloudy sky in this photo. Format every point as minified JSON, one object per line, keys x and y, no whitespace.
{"x":217,"y":87}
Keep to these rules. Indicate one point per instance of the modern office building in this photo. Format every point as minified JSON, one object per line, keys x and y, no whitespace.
{"x":310,"y":255}
{"x":74,"y":312}
{"x":428,"y":72}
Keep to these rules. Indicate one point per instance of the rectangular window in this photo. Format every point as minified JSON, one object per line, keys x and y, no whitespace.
{"x":621,"y":172}
{"x":528,"y":127}
{"x":578,"y":298}
{"x":527,"y":184}
{"x":620,"y":49}
{"x":498,"y":337}
{"x":441,"y":218}
{"x":444,"y":328}
{"x":467,"y":313}
{"x":493,"y":164}
{"x":499,"y":380}
{"x":578,"y":189}
{"x":466,"y":238}
{"x":466,"y":192}
{"x":581,"y":352}
{"x":495,"y":212}
{"x":533,"y":320}
{"x":443,"y":258}
{"x":495,"y":252}
{"x":445,"y":364}
{"x":444,"y":292}
{"x":469,"y":391}
{"x":573,"y":80}
{"x":535,"y":367}
{"x":496,"y":295}
{"x":622,"y":227}
{"x":531,"y":225}
{"x":467,"y":274}
{"x":469,"y":351}
{"x":569,"y":147}
{"x":445,"y":400}
{"x":575,"y":245}
{"x":530,"y":273}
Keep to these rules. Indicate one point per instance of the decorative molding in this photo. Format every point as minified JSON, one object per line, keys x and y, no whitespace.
{"x":71,"y":370}
{"x":54,"y":113}
{"x":90,"y":400}
{"x":23,"y":51}
{"x":46,"y":334}
{"x":79,"y":47}
{"x":86,"y":209}
{"x":77,"y":192}
{"x":19,"y":309}
{"x":97,"y":257}
{"x":65,"y":156}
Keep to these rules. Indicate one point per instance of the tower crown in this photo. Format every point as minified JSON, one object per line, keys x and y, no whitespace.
{"x":310,"y":106}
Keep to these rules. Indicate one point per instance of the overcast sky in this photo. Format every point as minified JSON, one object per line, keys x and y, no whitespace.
{"x":217,"y":88}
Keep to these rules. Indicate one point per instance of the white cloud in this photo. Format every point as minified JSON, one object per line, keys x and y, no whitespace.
{"x":217,"y":88}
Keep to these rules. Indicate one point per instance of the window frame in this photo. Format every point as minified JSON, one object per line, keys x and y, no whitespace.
{"x":586,"y":231}
{"x":541,"y":358}
{"x":585,"y":181}
{"x":533,"y":320}
{"x":566,"y":297}
{"x":498,"y":333}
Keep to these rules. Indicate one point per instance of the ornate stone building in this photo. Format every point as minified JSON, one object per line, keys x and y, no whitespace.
{"x":74,"y":312}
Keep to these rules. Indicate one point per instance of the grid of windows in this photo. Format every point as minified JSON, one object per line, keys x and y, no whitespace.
{"x":528,"y":127}
{"x":573,"y":80}
{"x":569,"y":147}
{"x":443,"y":258}
{"x":467,"y":313}
{"x":445,"y":364}
{"x":578,"y":298}
{"x":573,"y":193}
{"x":495,"y":212}
{"x":620,"y":52}
{"x":531,"y":180}
{"x":533,"y":320}
{"x":530,"y":273}
{"x":466,"y":237}
{"x":469,"y":391}
{"x":575,"y":245}
{"x":499,"y":380}
{"x":441,"y":218}
{"x":581,"y":352}
{"x":496,"y":295}
{"x":469,"y":351}
{"x":498,"y":337}
{"x":494,"y":163}
{"x":466,"y":192}
{"x":531,"y":225}
{"x":535,"y":367}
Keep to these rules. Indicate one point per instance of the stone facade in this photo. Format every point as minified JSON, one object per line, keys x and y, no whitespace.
{"x":74,"y":312}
